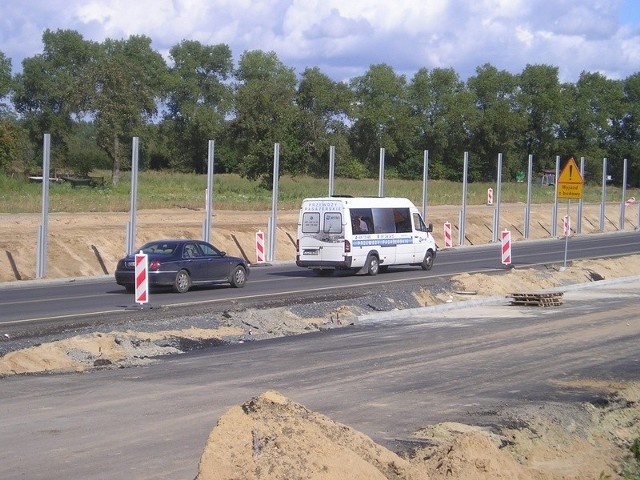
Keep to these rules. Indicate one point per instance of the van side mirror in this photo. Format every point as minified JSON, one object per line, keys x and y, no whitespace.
{"x":430,"y":228}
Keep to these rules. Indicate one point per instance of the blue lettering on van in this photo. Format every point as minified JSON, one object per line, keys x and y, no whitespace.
{"x":384,"y":242}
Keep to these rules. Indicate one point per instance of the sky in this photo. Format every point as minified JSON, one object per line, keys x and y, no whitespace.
{"x":345,"y":37}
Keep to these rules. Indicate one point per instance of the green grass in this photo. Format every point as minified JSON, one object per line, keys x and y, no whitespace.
{"x":160,"y":190}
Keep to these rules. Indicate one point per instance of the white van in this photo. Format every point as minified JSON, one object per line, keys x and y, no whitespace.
{"x":364,"y":234}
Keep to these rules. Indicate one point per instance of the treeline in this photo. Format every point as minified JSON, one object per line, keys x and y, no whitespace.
{"x":94,"y":97}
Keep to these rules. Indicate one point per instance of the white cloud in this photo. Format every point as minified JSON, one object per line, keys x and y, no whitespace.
{"x":345,"y":37}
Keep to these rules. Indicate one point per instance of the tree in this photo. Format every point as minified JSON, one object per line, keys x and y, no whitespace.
{"x":594,"y":116}
{"x":499,"y":122}
{"x":199,"y":100}
{"x":265,"y":114}
{"x":540,"y":98}
{"x":382,"y":118}
{"x":120,"y":90}
{"x":446,"y":114}
{"x":628,"y":135}
{"x":324,"y":108}
{"x":5,"y":82}
{"x":46,"y":90}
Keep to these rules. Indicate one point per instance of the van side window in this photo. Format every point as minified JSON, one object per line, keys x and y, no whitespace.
{"x":332,"y":222}
{"x":361,"y":220}
{"x":311,"y":222}
{"x":417,"y":220}
{"x":402,"y":219}
{"x":383,"y":220}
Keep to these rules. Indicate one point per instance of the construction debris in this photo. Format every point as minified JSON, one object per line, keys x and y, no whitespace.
{"x":546,"y":299}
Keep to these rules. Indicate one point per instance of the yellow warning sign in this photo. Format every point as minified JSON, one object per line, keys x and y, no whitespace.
{"x":570,"y":181}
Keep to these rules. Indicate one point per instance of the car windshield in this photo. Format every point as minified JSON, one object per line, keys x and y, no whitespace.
{"x":159,"y":248}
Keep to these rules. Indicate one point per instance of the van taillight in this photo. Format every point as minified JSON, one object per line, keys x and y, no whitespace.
{"x":297,"y":245}
{"x":154,"y":265}
{"x":347,"y":246}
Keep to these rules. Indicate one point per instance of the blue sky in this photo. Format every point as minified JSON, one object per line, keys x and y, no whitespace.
{"x":344,"y":37}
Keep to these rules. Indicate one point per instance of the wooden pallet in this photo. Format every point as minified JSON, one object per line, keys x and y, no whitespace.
{"x":548,"y":299}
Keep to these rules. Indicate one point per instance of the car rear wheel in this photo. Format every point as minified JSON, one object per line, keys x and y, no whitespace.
{"x":238,"y":277}
{"x":182,"y":283}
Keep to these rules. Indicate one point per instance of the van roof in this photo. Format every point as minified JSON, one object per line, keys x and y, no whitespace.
{"x":363,"y":202}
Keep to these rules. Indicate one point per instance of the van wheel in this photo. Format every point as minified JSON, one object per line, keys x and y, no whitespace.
{"x":427,"y":263}
{"x":373,"y":265}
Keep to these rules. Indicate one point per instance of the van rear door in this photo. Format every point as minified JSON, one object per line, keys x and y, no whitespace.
{"x":321,"y":236}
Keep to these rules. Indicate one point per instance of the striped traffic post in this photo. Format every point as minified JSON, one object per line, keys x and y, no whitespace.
{"x":142,"y":278}
{"x":490,"y":196}
{"x":447,"y":235}
{"x":259,"y":246}
{"x":567,"y":225}
{"x":506,"y":247}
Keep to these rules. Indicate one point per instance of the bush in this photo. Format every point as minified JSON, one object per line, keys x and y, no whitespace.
{"x":351,"y":168}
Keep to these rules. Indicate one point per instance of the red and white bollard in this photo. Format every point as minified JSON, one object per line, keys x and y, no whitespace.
{"x":447,"y":235}
{"x":506,"y":247}
{"x":567,"y":225}
{"x":142,"y":278}
{"x":490,"y":196}
{"x":259,"y":246}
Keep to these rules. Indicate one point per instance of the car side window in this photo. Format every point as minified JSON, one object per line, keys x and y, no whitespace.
{"x":190,"y":251}
{"x":209,"y":251}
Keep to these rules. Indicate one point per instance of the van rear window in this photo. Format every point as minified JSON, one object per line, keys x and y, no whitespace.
{"x":332,"y":222}
{"x":311,"y":222}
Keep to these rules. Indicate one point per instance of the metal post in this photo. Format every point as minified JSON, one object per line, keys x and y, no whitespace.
{"x":604,"y":193}
{"x":274,"y":203}
{"x":332,"y":168}
{"x":554,"y":214}
{"x":496,"y":224}
{"x":131,"y":239}
{"x":527,"y":212}
{"x":579,"y":213}
{"x":624,"y":194}
{"x":464,"y":197}
{"x":381,"y":174}
{"x":566,"y":236}
{"x":209,"y":196}
{"x":425,"y":183}
{"x":41,"y":258}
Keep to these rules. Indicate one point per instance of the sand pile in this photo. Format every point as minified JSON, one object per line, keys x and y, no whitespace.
{"x":272,"y":437}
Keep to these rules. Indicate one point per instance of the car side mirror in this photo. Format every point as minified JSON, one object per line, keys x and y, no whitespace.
{"x":430,"y":228}
{"x":222,"y":254}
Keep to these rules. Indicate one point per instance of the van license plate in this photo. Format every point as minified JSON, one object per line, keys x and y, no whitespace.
{"x":310,"y":252}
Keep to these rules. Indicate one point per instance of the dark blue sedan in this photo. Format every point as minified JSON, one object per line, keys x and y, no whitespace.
{"x":179,"y":264}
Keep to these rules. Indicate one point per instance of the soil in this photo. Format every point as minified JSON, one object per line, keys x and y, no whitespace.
{"x":272,"y":437}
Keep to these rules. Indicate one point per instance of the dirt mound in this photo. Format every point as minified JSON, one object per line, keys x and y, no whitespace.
{"x":273,"y":437}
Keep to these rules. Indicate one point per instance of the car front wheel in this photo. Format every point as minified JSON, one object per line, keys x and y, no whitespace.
{"x":182,"y":283}
{"x":238,"y":277}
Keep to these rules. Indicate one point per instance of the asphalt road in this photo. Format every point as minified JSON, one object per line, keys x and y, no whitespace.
{"x":35,"y":304}
{"x":387,"y":376}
